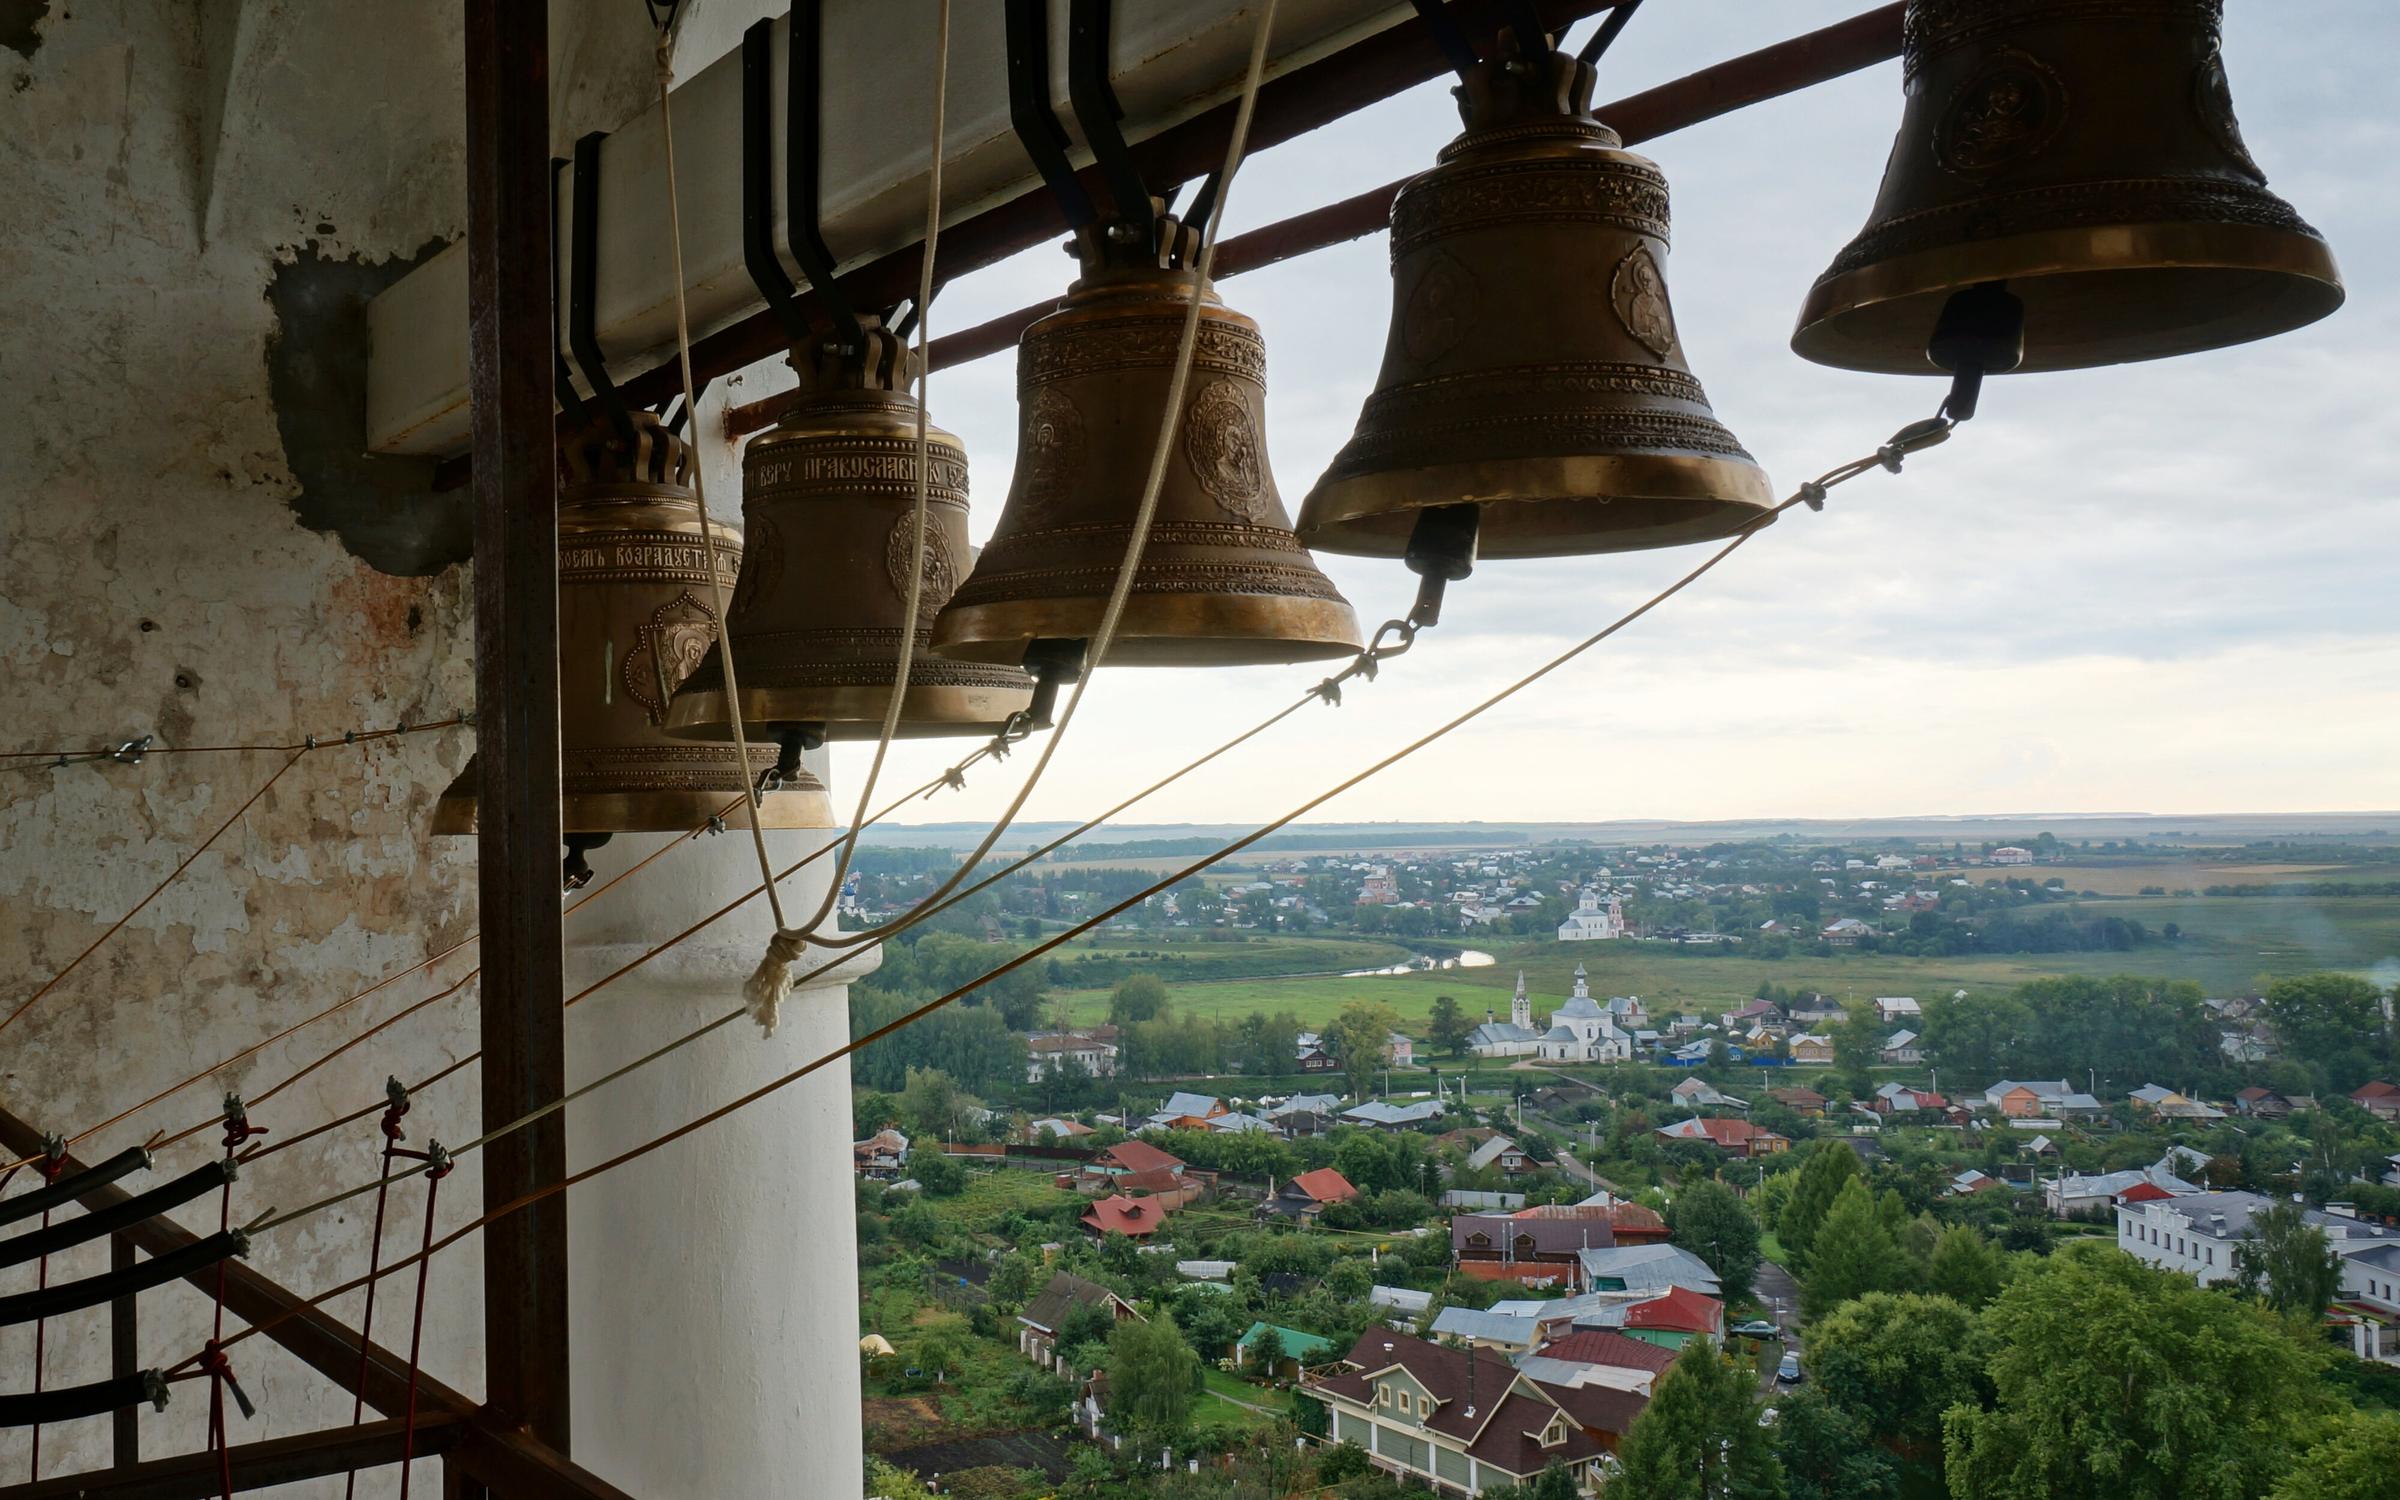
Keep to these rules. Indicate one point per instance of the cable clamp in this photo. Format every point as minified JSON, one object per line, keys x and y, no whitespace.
{"x":349,"y":736}
{"x":396,"y":1094}
{"x":438,"y":1162}
{"x":955,"y":778}
{"x":308,"y":742}
{"x":154,"y":1389}
{"x":1812,"y":494}
{"x":131,"y":752}
{"x":1330,"y":690}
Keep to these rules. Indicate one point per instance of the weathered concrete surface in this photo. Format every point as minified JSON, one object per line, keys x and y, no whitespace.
{"x":183,"y":180}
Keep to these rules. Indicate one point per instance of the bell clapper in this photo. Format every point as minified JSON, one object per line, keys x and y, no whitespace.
{"x":576,"y":871}
{"x":1441,"y":551}
{"x":1054,"y":664}
{"x":1981,"y":332}
{"x":791,"y":741}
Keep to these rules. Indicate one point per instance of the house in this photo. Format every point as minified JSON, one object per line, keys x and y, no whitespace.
{"x":1675,"y":1318}
{"x":1581,"y":1031}
{"x":2371,"y":1302}
{"x":1502,"y":1332}
{"x":1491,"y":1247}
{"x":1514,"y":1037}
{"x":1844,"y":932}
{"x":1503,"y":1154}
{"x":1300,"y":1350}
{"x":1737,"y":1136}
{"x":1594,"y":919}
{"x":1754,"y":1014}
{"x":2009,"y":854}
{"x":1306,"y":1114}
{"x":1058,"y":1128}
{"x":2043,"y":1099}
{"x":1050,"y":1052}
{"x":1127,"y":1159}
{"x":2166,"y":1104}
{"x":1456,"y":1198}
{"x":882,"y":1156}
{"x":1379,"y":1114}
{"x":2199,"y":1236}
{"x":2078,"y":1197}
{"x":1135,"y":1218}
{"x":1649,"y":1269}
{"x":1628,"y":1223}
{"x":1206,"y":1270}
{"x":1465,"y":1420}
{"x":1901,"y":1099}
{"x":1598,"y":1355}
{"x":1186,"y":1111}
{"x":1901,"y":1047}
{"x":1807,"y":1103}
{"x":1039,"y":1324}
{"x":1811,"y":1049}
{"x":1399,"y":1051}
{"x":2380,"y":1099}
{"x":1317,"y":1060}
{"x":1305,"y":1196}
{"x":2259,"y":1103}
{"x":1699,"y":1093}
{"x":1897,"y":1008}
{"x":1379,"y":888}
{"x":1404,"y":1301}
{"x":1236,"y":1124}
{"x":1972,"y":1181}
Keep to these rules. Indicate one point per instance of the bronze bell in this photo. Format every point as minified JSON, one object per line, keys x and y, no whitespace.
{"x":1533,"y":365}
{"x":634,"y":618}
{"x":829,"y":502}
{"x":2083,"y":153}
{"x":1222,"y":580}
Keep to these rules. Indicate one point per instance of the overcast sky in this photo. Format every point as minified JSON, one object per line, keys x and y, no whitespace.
{"x":2166,"y":587}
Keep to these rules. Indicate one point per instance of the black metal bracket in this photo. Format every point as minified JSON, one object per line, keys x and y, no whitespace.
{"x":1599,"y":42}
{"x":1036,"y":124}
{"x":583,"y":282}
{"x":71,"y":1232}
{"x":1135,"y":223}
{"x":1443,"y":27}
{"x":1525,"y":19}
{"x":804,"y":141}
{"x":67,"y":1189}
{"x":758,"y":185}
{"x":570,"y":400}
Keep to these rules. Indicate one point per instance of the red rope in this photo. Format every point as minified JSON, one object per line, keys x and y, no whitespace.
{"x":437,"y":1169}
{"x":393,"y":1135}
{"x":238,"y":1130}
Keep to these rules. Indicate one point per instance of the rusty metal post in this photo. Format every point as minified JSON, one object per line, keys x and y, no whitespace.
{"x":511,"y":359}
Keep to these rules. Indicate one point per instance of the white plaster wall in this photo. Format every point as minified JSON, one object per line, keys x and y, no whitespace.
{"x":159,"y":158}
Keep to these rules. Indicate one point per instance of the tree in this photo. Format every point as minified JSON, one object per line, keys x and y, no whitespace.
{"x":1141,"y":997}
{"x":1826,"y":1454}
{"x":1359,"y":1034}
{"x":1895,"y":1362}
{"x":2332,"y":1021}
{"x":1265,"y":1353}
{"x":2288,"y":1262}
{"x":2357,"y":1459}
{"x":1448,"y":1027}
{"x":1965,"y":1267}
{"x":1857,"y":1047}
{"x":2114,"y":1381}
{"x":937,"y":1174}
{"x":1709,"y":1221}
{"x":1699,"y":1437}
{"x":1341,"y":1462}
{"x":935,"y":1107}
{"x":1855,"y":1253}
{"x":1151,"y":1371}
{"x":1829,"y":1166}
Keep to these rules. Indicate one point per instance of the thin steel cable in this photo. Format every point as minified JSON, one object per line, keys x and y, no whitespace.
{"x":248,"y":802}
{"x":1910,"y":439}
{"x":868,"y":1038}
{"x":317,"y":742}
{"x":1153,"y":485}
{"x":708,"y":529}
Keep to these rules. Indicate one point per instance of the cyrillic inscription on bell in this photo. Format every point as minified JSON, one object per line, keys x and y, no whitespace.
{"x":1533,"y":364}
{"x":634,"y":620}
{"x":2084,"y":154}
{"x":1222,"y":580}
{"x":829,"y":502}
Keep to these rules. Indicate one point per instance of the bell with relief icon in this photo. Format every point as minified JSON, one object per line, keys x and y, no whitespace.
{"x":1221,"y":581}
{"x":829,"y":500}
{"x":1533,"y":367}
{"x":2083,"y":154}
{"x":634,"y":618}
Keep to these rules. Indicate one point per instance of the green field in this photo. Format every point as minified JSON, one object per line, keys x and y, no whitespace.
{"x":2226,"y":942}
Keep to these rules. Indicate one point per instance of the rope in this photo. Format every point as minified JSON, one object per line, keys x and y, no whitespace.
{"x":133,"y":752}
{"x":392,"y":1136}
{"x":437,"y":1168}
{"x":773,"y":979}
{"x":708,"y":530}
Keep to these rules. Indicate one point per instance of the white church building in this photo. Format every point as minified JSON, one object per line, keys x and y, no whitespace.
{"x":1581,"y":1030}
{"x":1514,"y":1037}
{"x":1592,"y":920}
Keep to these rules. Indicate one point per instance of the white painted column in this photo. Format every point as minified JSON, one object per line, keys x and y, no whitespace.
{"x":715,"y":1289}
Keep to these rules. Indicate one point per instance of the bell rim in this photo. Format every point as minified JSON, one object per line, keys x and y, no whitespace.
{"x":1839,"y":304}
{"x":677,"y":811}
{"x":849,"y":712}
{"x":1369,"y":515}
{"x":1156,"y":630}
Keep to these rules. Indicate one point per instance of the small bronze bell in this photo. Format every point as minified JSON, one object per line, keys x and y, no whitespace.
{"x":829,"y":503}
{"x":2084,"y":154}
{"x":634,"y":618}
{"x":1533,"y":367}
{"x":1222,"y":580}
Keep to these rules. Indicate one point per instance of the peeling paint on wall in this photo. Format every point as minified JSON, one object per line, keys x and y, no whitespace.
{"x":383,"y":509}
{"x":20,"y":26}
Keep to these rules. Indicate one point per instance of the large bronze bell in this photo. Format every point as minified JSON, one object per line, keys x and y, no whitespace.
{"x":829,"y":503}
{"x":634,"y":618}
{"x":2083,"y":153}
{"x":1533,"y":365}
{"x":1222,"y":580}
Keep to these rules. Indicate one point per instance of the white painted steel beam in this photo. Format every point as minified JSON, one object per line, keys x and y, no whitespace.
{"x":1169,"y":63}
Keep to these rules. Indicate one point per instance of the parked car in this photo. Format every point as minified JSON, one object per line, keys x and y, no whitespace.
{"x":1788,"y":1372}
{"x":1757,"y":1328}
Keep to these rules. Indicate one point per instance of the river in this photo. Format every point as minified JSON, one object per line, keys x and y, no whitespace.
{"x":1468,"y":958}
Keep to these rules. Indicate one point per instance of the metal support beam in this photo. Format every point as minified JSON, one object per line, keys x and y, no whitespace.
{"x":1787,"y":67}
{"x":256,"y":1466}
{"x":512,"y":358}
{"x":124,"y":1357}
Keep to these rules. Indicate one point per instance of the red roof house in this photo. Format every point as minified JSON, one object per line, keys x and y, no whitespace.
{"x":1325,"y":1185}
{"x":2143,"y":1192}
{"x":2378,"y":1098}
{"x":1136,"y":1218}
{"x":1597,"y":1346}
{"x":1737,"y":1136}
{"x":1681,"y":1310}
